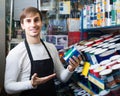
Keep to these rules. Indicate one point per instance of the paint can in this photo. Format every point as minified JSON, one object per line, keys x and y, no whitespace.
{"x":80,"y":48}
{"x":105,"y":93}
{"x":86,"y":94}
{"x":80,"y":93}
{"x":118,"y":61}
{"x":111,"y":44}
{"x":109,"y":65}
{"x":89,"y":44}
{"x":98,"y":40}
{"x":113,"y":17}
{"x":118,"y":49}
{"x":116,"y":73}
{"x":92,"y":67}
{"x":107,"y":40}
{"x":115,"y":57}
{"x":92,"y":56}
{"x":117,"y":36}
{"x":107,"y":54}
{"x":108,"y":18}
{"x":107,"y":77}
{"x":115,"y":40}
{"x":84,"y":54}
{"x":107,"y":36}
{"x":87,"y":54}
{"x":98,"y":53}
{"x":98,"y":70}
{"x":104,"y":62}
{"x":102,"y":44}
{"x":76,"y":91}
{"x":115,"y":91}
{"x":113,"y":47}
{"x":108,"y":45}
{"x":96,"y":45}
{"x":117,"y":45}
{"x":70,"y":53}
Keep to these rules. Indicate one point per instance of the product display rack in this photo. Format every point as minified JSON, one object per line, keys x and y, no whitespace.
{"x":86,"y":88}
{"x":113,"y":27}
{"x":86,"y":84}
{"x":98,"y":82}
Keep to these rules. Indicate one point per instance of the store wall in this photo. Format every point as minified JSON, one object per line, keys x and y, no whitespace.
{"x":2,"y":41}
{"x":19,"y":6}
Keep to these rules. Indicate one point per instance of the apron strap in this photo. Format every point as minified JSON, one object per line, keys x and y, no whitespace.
{"x":29,"y":52}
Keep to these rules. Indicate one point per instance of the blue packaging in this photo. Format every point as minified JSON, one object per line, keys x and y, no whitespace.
{"x":70,"y":53}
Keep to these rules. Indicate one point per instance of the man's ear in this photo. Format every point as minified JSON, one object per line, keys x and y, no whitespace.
{"x":22,"y":26}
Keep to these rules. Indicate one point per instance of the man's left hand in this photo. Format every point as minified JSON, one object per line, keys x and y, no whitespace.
{"x":74,"y":62}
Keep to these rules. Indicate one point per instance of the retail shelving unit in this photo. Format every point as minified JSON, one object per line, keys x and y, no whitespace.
{"x":113,"y":27}
{"x":15,"y":34}
{"x":98,"y":82}
{"x":86,"y":88}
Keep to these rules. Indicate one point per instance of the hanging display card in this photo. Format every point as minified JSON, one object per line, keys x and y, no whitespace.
{"x":64,"y":7}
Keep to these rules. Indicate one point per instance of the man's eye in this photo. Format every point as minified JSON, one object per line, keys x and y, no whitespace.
{"x":36,"y":20}
{"x":28,"y":21}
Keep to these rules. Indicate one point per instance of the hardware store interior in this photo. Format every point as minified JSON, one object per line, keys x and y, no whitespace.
{"x":89,"y":28}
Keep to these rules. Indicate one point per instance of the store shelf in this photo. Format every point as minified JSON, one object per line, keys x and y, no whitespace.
{"x":15,"y":40}
{"x":85,"y":88}
{"x":113,"y":27}
{"x":13,"y":43}
{"x":98,"y":82}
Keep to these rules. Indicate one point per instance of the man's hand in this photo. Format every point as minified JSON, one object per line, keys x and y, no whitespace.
{"x":35,"y":80}
{"x":74,"y":62}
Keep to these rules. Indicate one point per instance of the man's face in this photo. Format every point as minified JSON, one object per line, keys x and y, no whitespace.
{"x":32,"y":25}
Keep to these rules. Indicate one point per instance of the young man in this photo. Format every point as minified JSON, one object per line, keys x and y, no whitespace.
{"x":32,"y":65}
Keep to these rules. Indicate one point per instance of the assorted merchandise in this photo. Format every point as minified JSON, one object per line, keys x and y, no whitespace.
{"x":99,"y":71}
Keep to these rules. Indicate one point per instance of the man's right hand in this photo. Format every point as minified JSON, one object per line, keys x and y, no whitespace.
{"x":35,"y":80}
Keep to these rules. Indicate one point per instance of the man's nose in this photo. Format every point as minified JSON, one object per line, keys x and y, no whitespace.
{"x":33,"y":23}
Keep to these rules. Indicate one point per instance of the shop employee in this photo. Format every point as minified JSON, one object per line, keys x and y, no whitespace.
{"x":32,"y":65}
